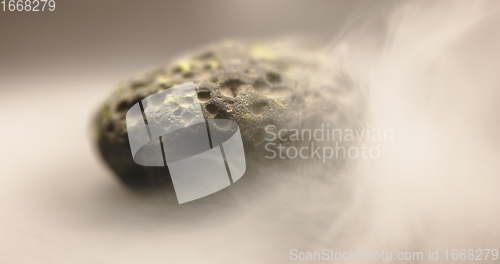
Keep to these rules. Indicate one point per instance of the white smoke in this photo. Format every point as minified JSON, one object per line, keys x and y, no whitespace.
{"x":429,"y":72}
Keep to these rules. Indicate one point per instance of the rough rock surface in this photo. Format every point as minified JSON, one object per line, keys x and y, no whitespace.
{"x":256,"y":85}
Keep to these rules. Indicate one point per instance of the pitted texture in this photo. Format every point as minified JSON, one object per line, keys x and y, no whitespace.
{"x":253,"y":84}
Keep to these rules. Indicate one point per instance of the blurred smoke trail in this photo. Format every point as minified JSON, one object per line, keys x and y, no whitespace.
{"x":430,"y":77}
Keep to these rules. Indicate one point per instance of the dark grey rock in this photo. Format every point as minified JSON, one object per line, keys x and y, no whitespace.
{"x":253,"y":84}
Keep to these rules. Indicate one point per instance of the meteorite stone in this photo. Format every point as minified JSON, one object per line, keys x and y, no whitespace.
{"x":254,"y":84}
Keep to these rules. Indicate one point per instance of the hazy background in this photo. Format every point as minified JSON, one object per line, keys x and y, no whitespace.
{"x":61,"y":205}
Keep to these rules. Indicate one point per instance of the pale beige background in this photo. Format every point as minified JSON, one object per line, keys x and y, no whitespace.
{"x":59,"y":204}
